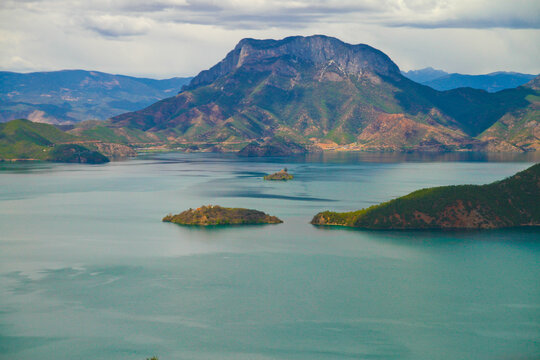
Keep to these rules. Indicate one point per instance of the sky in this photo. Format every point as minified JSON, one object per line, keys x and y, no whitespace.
{"x":168,"y":38}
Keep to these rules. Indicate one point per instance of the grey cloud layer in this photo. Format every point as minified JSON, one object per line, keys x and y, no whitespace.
{"x":130,"y":18}
{"x":181,"y":37}
{"x":521,"y":14}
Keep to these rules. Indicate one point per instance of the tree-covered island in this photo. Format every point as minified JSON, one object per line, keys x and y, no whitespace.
{"x":217,"y":215}
{"x":280,"y":175}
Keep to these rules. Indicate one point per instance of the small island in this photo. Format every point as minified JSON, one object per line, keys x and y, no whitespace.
{"x":280,"y":175}
{"x":217,"y":215}
{"x":511,"y":202}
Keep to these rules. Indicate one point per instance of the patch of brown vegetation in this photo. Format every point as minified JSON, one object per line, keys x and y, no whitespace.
{"x":511,"y":134}
{"x":458,"y":215}
{"x":396,"y":132}
{"x":420,"y":216}
{"x":115,"y":150}
{"x":327,"y":145}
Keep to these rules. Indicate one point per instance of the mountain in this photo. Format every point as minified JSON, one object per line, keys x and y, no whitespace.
{"x":319,"y":92}
{"x":25,"y":140}
{"x":491,"y":82}
{"x":517,"y":129}
{"x":441,"y":80}
{"x":423,"y":75}
{"x":507,"y":203}
{"x":76,"y":95}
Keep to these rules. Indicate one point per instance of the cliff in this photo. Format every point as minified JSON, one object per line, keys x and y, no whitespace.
{"x":318,"y":50}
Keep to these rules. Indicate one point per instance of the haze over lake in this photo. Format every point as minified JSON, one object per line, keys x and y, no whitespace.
{"x":89,"y":271}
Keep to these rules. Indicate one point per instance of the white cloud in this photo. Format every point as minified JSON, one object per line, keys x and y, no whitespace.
{"x":20,"y":64}
{"x":182,"y":37}
{"x":520,"y":14}
{"x":117,"y":25}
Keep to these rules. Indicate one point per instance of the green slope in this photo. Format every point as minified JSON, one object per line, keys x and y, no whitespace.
{"x":99,"y":131}
{"x":507,"y":203}
{"x":517,"y":129}
{"x":25,"y":140}
{"x":244,"y":106}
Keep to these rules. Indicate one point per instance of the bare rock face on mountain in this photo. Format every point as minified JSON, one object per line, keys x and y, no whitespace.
{"x":316,"y":90}
{"x":327,"y":53}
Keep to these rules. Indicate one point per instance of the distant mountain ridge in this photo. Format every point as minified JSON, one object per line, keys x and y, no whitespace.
{"x":77,"y":95}
{"x":490,"y":82}
{"x":319,"y":91}
{"x":493,"y":82}
{"x":425,"y":74}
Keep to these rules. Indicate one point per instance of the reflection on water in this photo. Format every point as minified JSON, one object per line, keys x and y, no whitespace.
{"x":89,"y":271}
{"x":422,"y":157}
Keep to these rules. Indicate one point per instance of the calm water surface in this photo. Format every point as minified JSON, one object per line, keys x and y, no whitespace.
{"x":89,"y":271}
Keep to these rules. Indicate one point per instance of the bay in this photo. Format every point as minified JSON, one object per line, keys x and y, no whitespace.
{"x":89,"y":271}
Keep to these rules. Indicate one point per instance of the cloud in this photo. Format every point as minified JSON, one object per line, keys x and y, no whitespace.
{"x":507,"y":23}
{"x":467,"y":14}
{"x":131,"y":17}
{"x":260,"y":14}
{"x":182,"y":37}
{"x":16,"y":62}
{"x":118,"y":26}
{"x":254,"y":14}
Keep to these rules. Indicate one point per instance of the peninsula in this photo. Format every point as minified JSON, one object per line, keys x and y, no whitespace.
{"x":511,"y":202}
{"x":217,"y":215}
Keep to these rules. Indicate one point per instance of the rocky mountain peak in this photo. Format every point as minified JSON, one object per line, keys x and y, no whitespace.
{"x":318,"y":50}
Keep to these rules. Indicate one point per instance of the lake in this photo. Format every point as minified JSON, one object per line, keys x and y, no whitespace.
{"x":89,"y":271}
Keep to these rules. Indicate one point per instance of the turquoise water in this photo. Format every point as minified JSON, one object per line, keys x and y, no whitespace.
{"x":89,"y":271}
